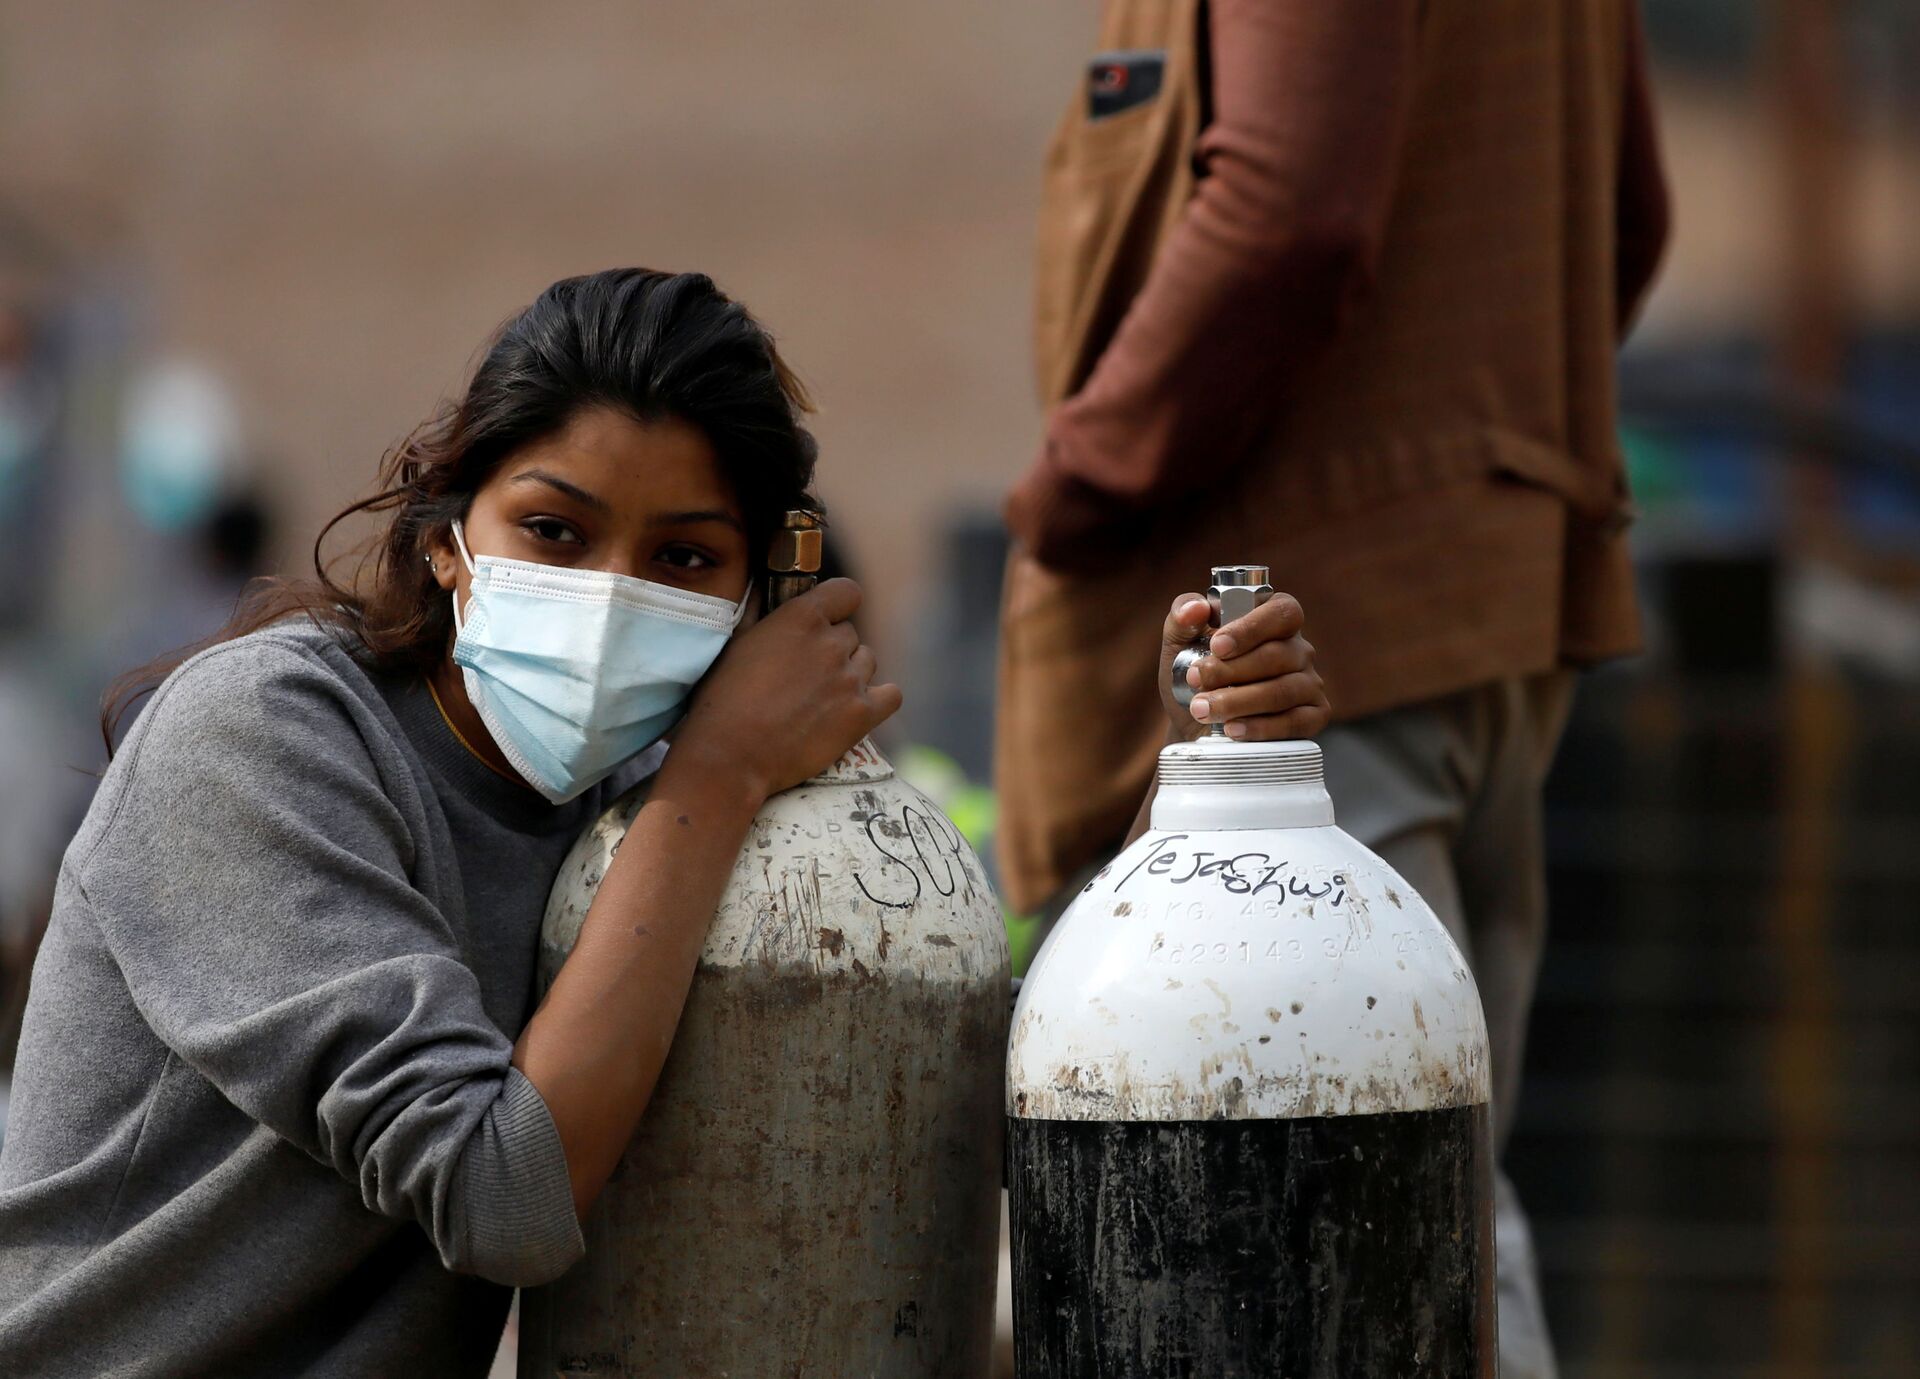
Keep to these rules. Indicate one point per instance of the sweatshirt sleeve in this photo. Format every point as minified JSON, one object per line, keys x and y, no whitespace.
{"x":252,"y":882}
{"x":1282,"y":234}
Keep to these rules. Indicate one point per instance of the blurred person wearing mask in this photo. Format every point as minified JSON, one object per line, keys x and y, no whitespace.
{"x":184,"y":480}
{"x":1338,"y":288}
{"x":197,"y":579}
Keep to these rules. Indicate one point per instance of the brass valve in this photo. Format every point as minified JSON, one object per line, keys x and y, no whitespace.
{"x":793,"y":563}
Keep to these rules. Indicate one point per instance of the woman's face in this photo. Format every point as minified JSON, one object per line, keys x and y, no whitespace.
{"x":607,"y":492}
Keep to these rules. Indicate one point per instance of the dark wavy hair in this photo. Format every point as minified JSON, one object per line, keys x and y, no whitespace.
{"x":650,"y":344}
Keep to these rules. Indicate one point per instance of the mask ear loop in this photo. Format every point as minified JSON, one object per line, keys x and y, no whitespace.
{"x":460,"y":544}
{"x":466,"y":558}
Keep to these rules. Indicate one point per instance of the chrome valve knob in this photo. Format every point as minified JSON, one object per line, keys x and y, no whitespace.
{"x":1236,"y":591}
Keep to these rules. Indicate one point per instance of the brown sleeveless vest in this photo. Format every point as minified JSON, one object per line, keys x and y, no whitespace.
{"x":1442,"y":488}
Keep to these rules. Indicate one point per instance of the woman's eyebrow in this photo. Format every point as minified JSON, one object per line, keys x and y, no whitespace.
{"x":679,"y":519}
{"x":573,"y":491}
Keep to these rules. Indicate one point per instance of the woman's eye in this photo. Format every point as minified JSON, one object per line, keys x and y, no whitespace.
{"x":686,"y":558}
{"x":552,"y":529}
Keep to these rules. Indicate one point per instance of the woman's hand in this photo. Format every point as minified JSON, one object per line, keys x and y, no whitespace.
{"x":1258,"y":678}
{"x":790,"y":694}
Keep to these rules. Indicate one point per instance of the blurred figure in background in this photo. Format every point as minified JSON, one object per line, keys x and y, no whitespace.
{"x":1338,"y":288}
{"x":155,"y":460}
{"x":29,"y":421}
{"x":210,"y":564}
{"x":32,"y":826}
{"x":200,"y":525}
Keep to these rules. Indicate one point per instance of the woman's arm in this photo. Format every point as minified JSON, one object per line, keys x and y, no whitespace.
{"x":787,"y":700}
{"x":595,"y":1047}
{"x":251,"y":868}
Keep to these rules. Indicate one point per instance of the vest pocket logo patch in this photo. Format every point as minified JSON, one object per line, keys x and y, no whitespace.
{"x":1118,"y":82}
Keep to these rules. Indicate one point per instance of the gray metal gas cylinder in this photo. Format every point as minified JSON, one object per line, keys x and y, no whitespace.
{"x":1248,"y":1101}
{"x":814,"y":1188}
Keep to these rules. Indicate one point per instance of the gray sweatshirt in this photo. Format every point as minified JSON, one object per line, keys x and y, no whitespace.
{"x":263,"y":1119}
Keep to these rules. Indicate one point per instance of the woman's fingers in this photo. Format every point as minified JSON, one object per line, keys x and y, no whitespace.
{"x":1301,"y":689}
{"x":1276,"y":619}
{"x":836,"y":600}
{"x":1258,"y":679}
{"x":885,"y":701}
{"x":864,"y":664}
{"x":844,"y":637}
{"x":1268,"y":661}
{"x":1308,"y":720}
{"x":1185,"y":620}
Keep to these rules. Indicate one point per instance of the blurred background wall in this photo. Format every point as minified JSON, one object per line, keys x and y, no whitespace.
{"x":333,"y":205}
{"x":244,"y":247}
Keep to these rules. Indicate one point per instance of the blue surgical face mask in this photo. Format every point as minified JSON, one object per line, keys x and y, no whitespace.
{"x":575,"y":671}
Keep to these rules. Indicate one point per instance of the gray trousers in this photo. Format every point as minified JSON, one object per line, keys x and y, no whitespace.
{"x":1448,"y":792}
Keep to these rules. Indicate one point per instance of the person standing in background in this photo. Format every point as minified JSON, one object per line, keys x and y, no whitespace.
{"x":37,"y":793}
{"x":1338,"y":288}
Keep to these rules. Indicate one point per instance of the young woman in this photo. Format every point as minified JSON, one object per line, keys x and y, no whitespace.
{"x":282,"y":1105}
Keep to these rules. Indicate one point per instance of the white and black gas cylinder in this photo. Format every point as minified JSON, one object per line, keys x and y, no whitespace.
{"x":814,"y":1188}
{"x":1247,"y":1098}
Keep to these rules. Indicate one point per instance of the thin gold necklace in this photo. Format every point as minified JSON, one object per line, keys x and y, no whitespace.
{"x":461,"y":737}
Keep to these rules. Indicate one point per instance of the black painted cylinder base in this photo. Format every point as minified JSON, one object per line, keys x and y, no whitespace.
{"x":1342,"y":1247}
